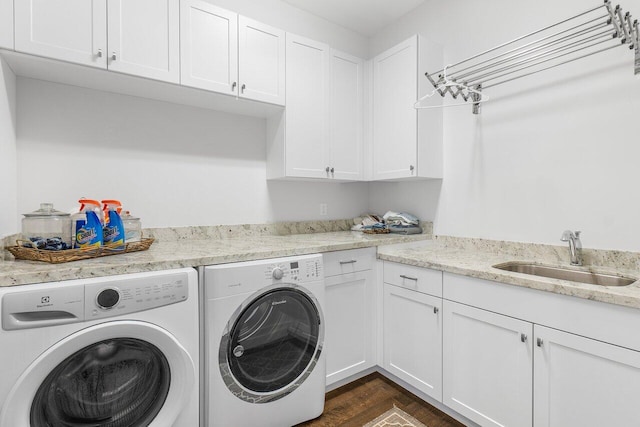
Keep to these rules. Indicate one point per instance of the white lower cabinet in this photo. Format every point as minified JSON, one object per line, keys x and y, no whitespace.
{"x":580,"y":382}
{"x":487,"y":366}
{"x":412,"y":336}
{"x":350,"y":341}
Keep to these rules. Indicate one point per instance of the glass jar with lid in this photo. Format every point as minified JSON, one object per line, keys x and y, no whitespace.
{"x":132,"y":227}
{"x":47,"y":223}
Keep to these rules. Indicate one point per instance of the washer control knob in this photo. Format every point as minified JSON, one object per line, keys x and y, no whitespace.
{"x":108,"y":298}
{"x":277,"y":273}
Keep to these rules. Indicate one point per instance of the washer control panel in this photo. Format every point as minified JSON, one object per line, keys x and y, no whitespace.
{"x":117,"y":298}
{"x":76,"y":301}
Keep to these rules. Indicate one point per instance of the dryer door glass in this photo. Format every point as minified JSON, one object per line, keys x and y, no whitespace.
{"x":114,"y":383}
{"x":274,"y":340}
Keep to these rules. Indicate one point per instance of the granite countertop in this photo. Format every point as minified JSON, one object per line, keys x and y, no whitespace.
{"x":200,"y":246}
{"x":475,"y":258}
{"x":187,"y":252}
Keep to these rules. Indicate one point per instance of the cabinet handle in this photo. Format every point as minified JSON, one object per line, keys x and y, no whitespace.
{"x":435,"y":310}
{"x":113,"y":56}
{"x":243,"y":87}
{"x":523,"y":337}
{"x":99,"y":53}
{"x":352,"y":261}
{"x":539,"y":342}
{"x":233,"y":86}
{"x":409,"y":277}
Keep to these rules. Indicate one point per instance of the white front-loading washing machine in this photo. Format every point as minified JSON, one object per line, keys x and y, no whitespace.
{"x":263,"y":337}
{"x":119,"y":351}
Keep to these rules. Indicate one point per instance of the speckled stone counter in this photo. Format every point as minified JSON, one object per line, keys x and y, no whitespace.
{"x":476,"y":257}
{"x":198,"y":246}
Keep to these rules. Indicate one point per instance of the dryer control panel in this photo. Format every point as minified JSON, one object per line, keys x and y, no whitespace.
{"x":295,"y":271}
{"x":243,"y":277}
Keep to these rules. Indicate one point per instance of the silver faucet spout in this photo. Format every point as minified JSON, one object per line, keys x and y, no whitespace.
{"x":575,"y":246}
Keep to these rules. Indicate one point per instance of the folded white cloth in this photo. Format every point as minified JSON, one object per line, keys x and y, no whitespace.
{"x":400,"y":218}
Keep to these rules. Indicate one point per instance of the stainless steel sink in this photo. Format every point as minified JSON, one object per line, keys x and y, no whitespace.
{"x":590,"y":277}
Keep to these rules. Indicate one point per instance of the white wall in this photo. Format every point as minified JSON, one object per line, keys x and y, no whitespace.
{"x":172,"y":165}
{"x":553,"y":151}
{"x":8,"y":177}
{"x":283,"y":15}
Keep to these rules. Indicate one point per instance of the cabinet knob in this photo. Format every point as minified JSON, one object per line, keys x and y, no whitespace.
{"x":411,"y":168}
{"x":327,"y":169}
{"x":435,"y":310}
{"x":233,"y":86}
{"x":539,"y":342}
{"x":243,"y":87}
{"x":523,"y":337}
{"x":332,"y":170}
{"x":99,"y":53}
{"x":113,"y":56}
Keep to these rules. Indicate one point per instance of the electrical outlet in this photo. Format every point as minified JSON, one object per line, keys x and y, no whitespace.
{"x":323,"y":209}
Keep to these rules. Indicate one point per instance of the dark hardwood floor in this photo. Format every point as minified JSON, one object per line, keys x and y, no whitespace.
{"x":361,"y":401}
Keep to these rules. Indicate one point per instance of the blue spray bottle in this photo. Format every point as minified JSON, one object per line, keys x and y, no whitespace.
{"x":87,"y":227}
{"x":113,"y":228}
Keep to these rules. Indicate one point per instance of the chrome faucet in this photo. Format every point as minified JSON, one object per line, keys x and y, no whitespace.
{"x":575,"y":246}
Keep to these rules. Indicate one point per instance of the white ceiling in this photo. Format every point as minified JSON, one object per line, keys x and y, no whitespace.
{"x":366,"y":17}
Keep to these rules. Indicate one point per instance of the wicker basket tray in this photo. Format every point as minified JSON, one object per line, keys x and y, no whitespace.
{"x":56,"y":257}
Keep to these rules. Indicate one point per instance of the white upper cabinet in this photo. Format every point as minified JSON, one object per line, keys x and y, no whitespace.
{"x":139,"y":37}
{"x":261,"y":62}
{"x":307,"y":112}
{"x":407,"y":143}
{"x":70,"y":30}
{"x":6,"y":24}
{"x":320,"y":133}
{"x":144,"y":38}
{"x":209,"y":47}
{"x":231,"y":54}
{"x":346,"y":116}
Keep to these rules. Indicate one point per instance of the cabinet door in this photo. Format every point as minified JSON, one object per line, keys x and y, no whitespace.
{"x":306,"y":115}
{"x":350,"y":327}
{"x":582,"y":382}
{"x":144,"y":38}
{"x":70,"y":30}
{"x":346,"y":116}
{"x":487,"y":363}
{"x":395,"y":121}
{"x":262,"y":61}
{"x":6,"y":24}
{"x":412,"y":338}
{"x":209,"y":47}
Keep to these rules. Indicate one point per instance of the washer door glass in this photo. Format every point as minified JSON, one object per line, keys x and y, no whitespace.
{"x":113,"y":383}
{"x":274,"y":340}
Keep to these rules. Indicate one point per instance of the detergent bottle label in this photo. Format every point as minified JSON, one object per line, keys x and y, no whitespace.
{"x":89,"y":234}
{"x":114,"y":235}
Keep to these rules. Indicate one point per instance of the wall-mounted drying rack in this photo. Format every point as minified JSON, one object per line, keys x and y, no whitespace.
{"x":588,"y":33}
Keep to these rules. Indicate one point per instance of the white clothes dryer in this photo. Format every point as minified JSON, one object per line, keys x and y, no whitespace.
{"x":263,"y":338}
{"x":119,"y":351}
